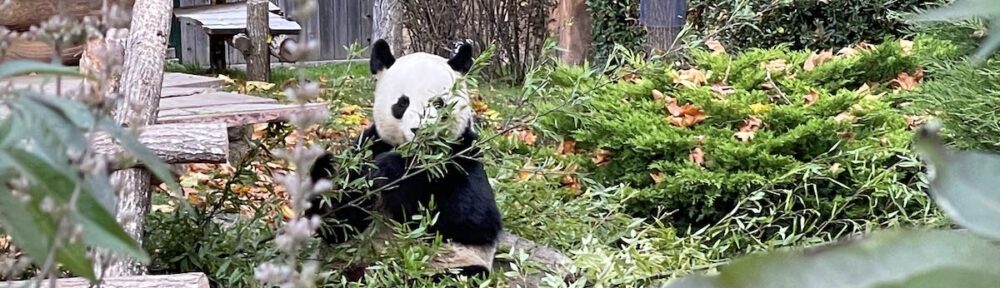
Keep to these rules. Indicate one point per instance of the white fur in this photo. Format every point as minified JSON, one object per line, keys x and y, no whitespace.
{"x":421,"y":77}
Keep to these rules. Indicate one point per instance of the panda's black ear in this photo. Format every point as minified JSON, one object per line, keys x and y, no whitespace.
{"x":462,"y":60}
{"x":381,"y":57}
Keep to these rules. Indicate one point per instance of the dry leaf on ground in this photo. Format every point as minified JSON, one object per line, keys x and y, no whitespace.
{"x":657,"y":95}
{"x":601,"y":157}
{"x":723,"y":90}
{"x":817,"y":59}
{"x":775,"y":66}
{"x":697,"y":156}
{"x":906,"y":46}
{"x":684,"y":116}
{"x":691,"y":78}
{"x":715,"y":46}
{"x":749,"y":129}
{"x":907,"y":82}
{"x":657,"y":177}
{"x":568,"y":146}
{"x":812,"y":97}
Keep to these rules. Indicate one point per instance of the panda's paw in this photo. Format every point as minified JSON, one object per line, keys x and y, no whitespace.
{"x":390,"y":166}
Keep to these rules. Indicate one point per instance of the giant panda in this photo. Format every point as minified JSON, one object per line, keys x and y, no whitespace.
{"x":409,"y":94}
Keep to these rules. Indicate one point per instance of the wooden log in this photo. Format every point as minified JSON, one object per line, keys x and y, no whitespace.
{"x":258,"y":60}
{"x":242,"y":43}
{"x":280,"y":48}
{"x":189,"y":280}
{"x":22,"y":14}
{"x":142,"y":81}
{"x":176,"y":143}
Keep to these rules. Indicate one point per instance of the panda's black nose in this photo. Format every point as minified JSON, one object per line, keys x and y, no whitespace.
{"x":414,"y":130}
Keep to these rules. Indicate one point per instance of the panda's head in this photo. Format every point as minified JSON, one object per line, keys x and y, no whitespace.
{"x":413,"y":92}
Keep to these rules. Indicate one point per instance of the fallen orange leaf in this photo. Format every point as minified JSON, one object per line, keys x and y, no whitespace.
{"x":778,"y":65}
{"x":723,"y":90}
{"x":630,"y":77}
{"x":817,"y":59}
{"x":691,"y":78}
{"x":657,"y":177}
{"x":657,"y":95}
{"x":568,"y":146}
{"x":697,"y":156}
{"x":906,"y":82}
{"x":749,"y":129}
{"x":684,"y":116}
{"x":844,"y":116}
{"x":601,"y":157}
{"x":906,"y":45}
{"x":715,"y":46}
{"x":812,"y":97}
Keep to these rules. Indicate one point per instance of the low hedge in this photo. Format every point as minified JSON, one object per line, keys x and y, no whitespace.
{"x":829,"y":143}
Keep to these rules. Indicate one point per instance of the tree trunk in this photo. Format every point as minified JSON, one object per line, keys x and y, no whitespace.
{"x":571,"y":27}
{"x":142,"y":80}
{"x":386,"y":24}
{"x":259,"y":59}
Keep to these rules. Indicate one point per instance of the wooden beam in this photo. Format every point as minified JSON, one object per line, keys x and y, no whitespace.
{"x":176,"y":143}
{"x":189,"y":280}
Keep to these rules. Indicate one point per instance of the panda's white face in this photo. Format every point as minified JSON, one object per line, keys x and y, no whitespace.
{"x":411,"y":93}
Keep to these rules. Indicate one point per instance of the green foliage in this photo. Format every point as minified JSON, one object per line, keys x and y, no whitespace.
{"x":965,"y":9}
{"x":961,"y":94}
{"x":802,"y":151}
{"x":614,"y":22}
{"x":64,"y":200}
{"x":814,"y":25}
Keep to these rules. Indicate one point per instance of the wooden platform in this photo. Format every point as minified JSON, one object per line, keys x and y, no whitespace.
{"x":192,"y":99}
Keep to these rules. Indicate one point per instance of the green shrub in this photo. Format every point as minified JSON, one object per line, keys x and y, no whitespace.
{"x":843,"y":157}
{"x":742,"y":24}
{"x":964,"y":96}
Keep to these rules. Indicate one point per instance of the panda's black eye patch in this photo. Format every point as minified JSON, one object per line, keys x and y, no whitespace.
{"x":438,"y":103}
{"x":399,"y":108}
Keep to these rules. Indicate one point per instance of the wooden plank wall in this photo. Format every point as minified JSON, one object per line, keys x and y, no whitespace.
{"x":335,"y":24}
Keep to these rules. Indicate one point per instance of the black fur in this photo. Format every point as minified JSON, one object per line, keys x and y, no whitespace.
{"x":463,"y":197}
{"x":399,"y":108}
{"x":462,"y":60}
{"x":381,"y":57}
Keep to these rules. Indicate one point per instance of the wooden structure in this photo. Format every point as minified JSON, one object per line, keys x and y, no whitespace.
{"x":225,"y":22}
{"x":191,"y":99}
{"x":189,"y":280}
{"x":334,"y":24}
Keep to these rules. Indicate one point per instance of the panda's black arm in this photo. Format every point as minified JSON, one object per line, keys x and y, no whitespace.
{"x":400,"y":199}
{"x":350,"y":212}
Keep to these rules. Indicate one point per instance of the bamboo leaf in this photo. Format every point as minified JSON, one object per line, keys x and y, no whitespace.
{"x":99,"y":225}
{"x":963,"y":183}
{"x":35,"y":231}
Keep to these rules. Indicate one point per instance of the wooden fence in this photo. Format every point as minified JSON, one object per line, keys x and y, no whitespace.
{"x":335,"y":24}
